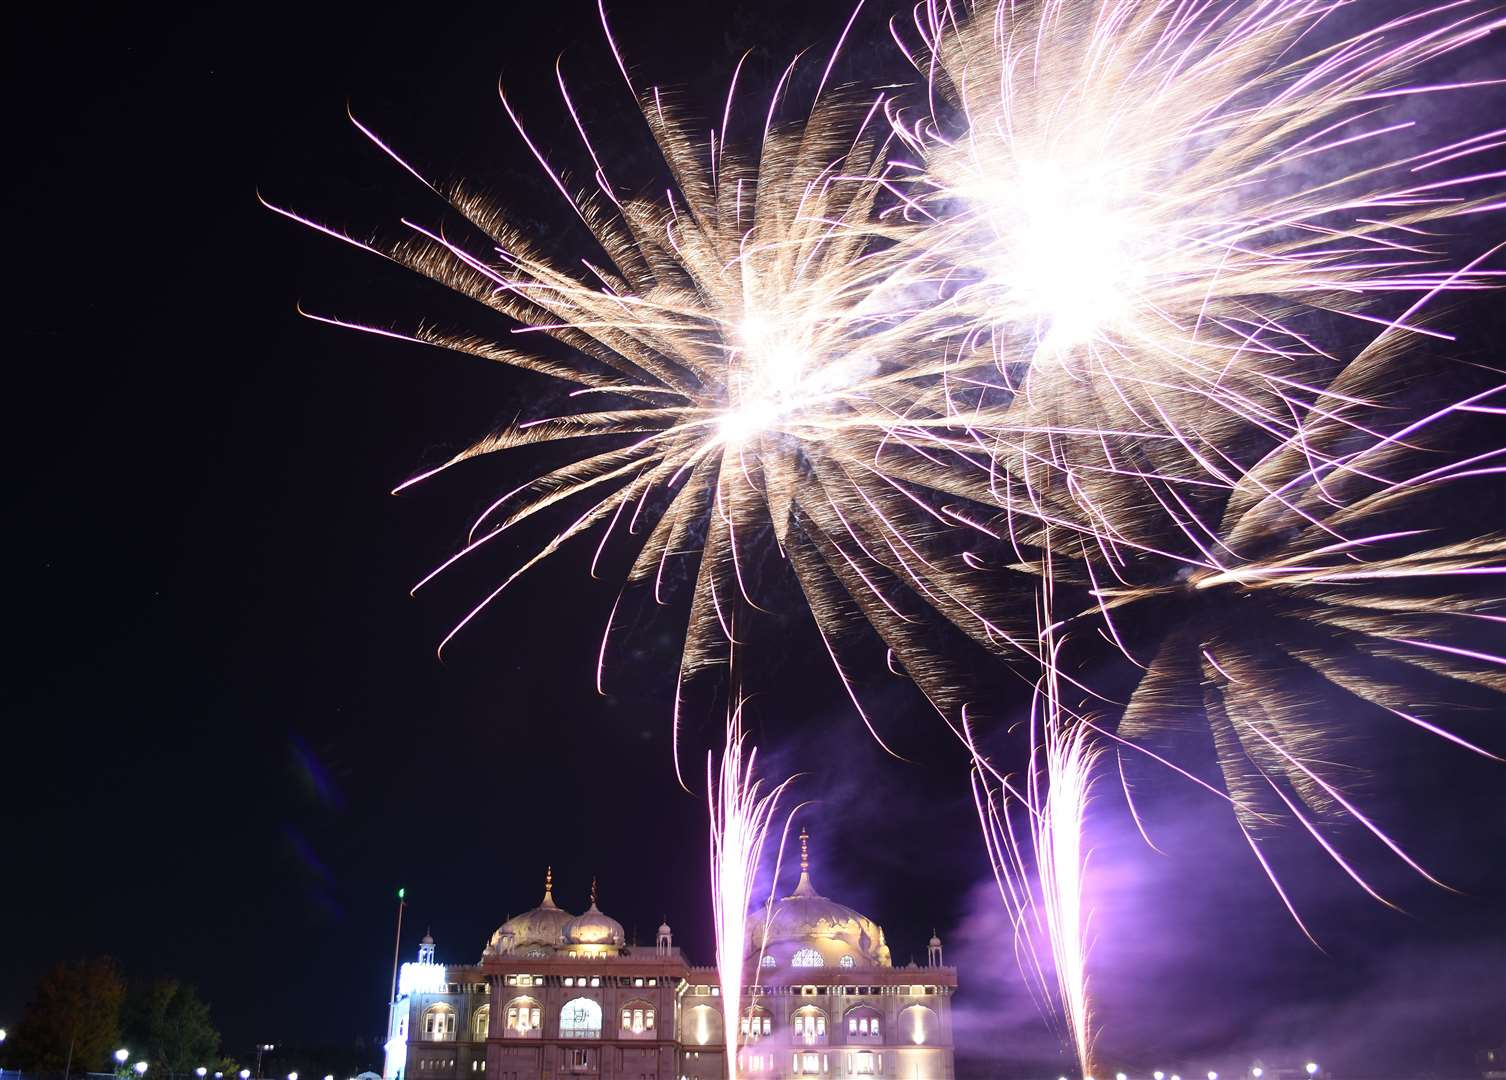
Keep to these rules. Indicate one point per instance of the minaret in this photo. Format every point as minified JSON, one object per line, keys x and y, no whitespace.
{"x":666,"y":939}
{"x":933,"y":951}
{"x":426,"y":948}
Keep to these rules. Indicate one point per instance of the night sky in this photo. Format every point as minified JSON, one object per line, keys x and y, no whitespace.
{"x":227,"y":738}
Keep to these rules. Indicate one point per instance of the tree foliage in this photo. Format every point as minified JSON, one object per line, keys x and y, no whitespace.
{"x":74,"y":1015}
{"x":168,"y":1025}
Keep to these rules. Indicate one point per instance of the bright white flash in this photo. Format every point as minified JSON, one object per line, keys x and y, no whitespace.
{"x":1063,"y":258}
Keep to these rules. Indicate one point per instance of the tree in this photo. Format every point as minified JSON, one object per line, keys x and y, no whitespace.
{"x":169,"y":1023}
{"x":73,"y":1018}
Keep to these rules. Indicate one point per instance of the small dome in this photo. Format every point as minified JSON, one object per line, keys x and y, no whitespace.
{"x":664,"y":928}
{"x":544,"y":925}
{"x":594,"y":927}
{"x":935,"y":942}
{"x":427,"y":939}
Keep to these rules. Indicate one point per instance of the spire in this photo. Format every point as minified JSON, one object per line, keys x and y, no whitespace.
{"x":593,"y":891}
{"x":805,"y":888}
{"x":548,"y":901}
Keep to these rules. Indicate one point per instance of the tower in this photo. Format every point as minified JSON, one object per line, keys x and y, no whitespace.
{"x":426,"y":949}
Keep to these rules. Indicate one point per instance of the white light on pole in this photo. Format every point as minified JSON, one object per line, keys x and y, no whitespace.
{"x":1312,"y":1068}
{"x":122,"y":1055}
{"x":1257,"y":1072}
{"x":140,"y":1068}
{"x":200,"y":1071}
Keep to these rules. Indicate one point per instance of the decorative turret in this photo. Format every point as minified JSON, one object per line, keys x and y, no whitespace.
{"x":933,"y":951}
{"x":426,"y":948}
{"x":666,"y":940}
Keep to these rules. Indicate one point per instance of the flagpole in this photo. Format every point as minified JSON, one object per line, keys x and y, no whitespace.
{"x":398,"y":944}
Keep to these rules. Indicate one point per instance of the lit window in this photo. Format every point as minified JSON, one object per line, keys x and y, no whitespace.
{"x":580,"y":1019}
{"x":848,"y":961}
{"x":768,"y":961}
{"x":595,"y":980}
{"x":569,"y":980}
{"x":637,"y":982}
{"x":481,"y":1022}
{"x":807,"y":958}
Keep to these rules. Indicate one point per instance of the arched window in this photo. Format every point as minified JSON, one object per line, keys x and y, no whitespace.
{"x":807,"y":958}
{"x":808,"y":1026}
{"x":439,"y":1023}
{"x":638,"y":1019}
{"x":863,"y":1025}
{"x":768,"y":961}
{"x":848,"y":961}
{"x":481,"y":1023}
{"x":522,"y":1018}
{"x":756,"y":1022}
{"x":918,"y":1025}
{"x":702,"y":1025}
{"x":580,"y":1019}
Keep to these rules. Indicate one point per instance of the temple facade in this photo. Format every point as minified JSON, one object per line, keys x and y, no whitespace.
{"x":556,"y":994}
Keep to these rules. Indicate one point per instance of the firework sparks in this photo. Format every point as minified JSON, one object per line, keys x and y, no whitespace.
{"x":1142,"y":212}
{"x":741,"y":814}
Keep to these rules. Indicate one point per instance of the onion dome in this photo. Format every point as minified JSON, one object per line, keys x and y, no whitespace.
{"x":544,"y":925}
{"x":664,"y":928}
{"x":805,"y":929}
{"x":935,"y":941}
{"x":594,"y":927}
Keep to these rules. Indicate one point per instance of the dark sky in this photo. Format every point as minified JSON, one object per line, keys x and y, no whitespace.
{"x":227,"y":738}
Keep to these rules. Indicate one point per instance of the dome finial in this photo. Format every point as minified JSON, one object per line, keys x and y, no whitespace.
{"x":593,"y":891}
{"x":548,"y":887}
{"x":804,"y":887}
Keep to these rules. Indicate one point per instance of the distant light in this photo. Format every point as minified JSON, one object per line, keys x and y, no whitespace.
{"x":1212,"y":1075}
{"x":121,"y":1055}
{"x":200,"y":1071}
{"x":402,"y":893}
{"x":292,"y":1076}
{"x":1257,"y":1072}
{"x":140,"y":1068}
{"x":245,"y":1074}
{"x":1158,"y":1075}
{"x":329,"y":1076}
{"x":1312,"y":1068}
{"x":1120,"y":1076}
{"x":2,"y":1034}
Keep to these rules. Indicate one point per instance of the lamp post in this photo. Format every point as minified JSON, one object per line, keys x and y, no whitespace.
{"x":1312,"y":1068}
{"x":260,"y":1049}
{"x":139,"y":1068}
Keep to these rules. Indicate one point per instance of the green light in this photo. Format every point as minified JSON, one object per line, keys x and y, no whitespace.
{"x":402,"y":893}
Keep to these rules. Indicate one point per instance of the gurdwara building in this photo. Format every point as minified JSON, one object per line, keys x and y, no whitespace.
{"x":556,"y":994}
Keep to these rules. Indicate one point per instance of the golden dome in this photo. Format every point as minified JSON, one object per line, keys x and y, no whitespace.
{"x":594,"y":927}
{"x":544,"y":925}
{"x":806,"y":929}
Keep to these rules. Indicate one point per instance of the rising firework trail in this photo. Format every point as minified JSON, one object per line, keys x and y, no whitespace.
{"x":742,"y":811}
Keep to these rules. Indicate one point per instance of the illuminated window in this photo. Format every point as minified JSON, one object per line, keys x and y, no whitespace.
{"x":439,"y":1023}
{"x":481,"y":1022}
{"x":580,"y":1019}
{"x":637,"y":1018}
{"x":863,"y":1063}
{"x":848,"y":961}
{"x":768,"y":961}
{"x":807,"y":958}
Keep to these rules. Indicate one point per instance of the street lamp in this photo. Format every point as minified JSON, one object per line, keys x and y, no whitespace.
{"x":1257,"y":1072}
{"x":140,"y":1068}
{"x":122,"y":1055}
{"x":1120,"y":1076}
{"x":200,"y":1072}
{"x":1158,"y":1075}
{"x":1312,"y":1068}
{"x":292,"y":1076}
